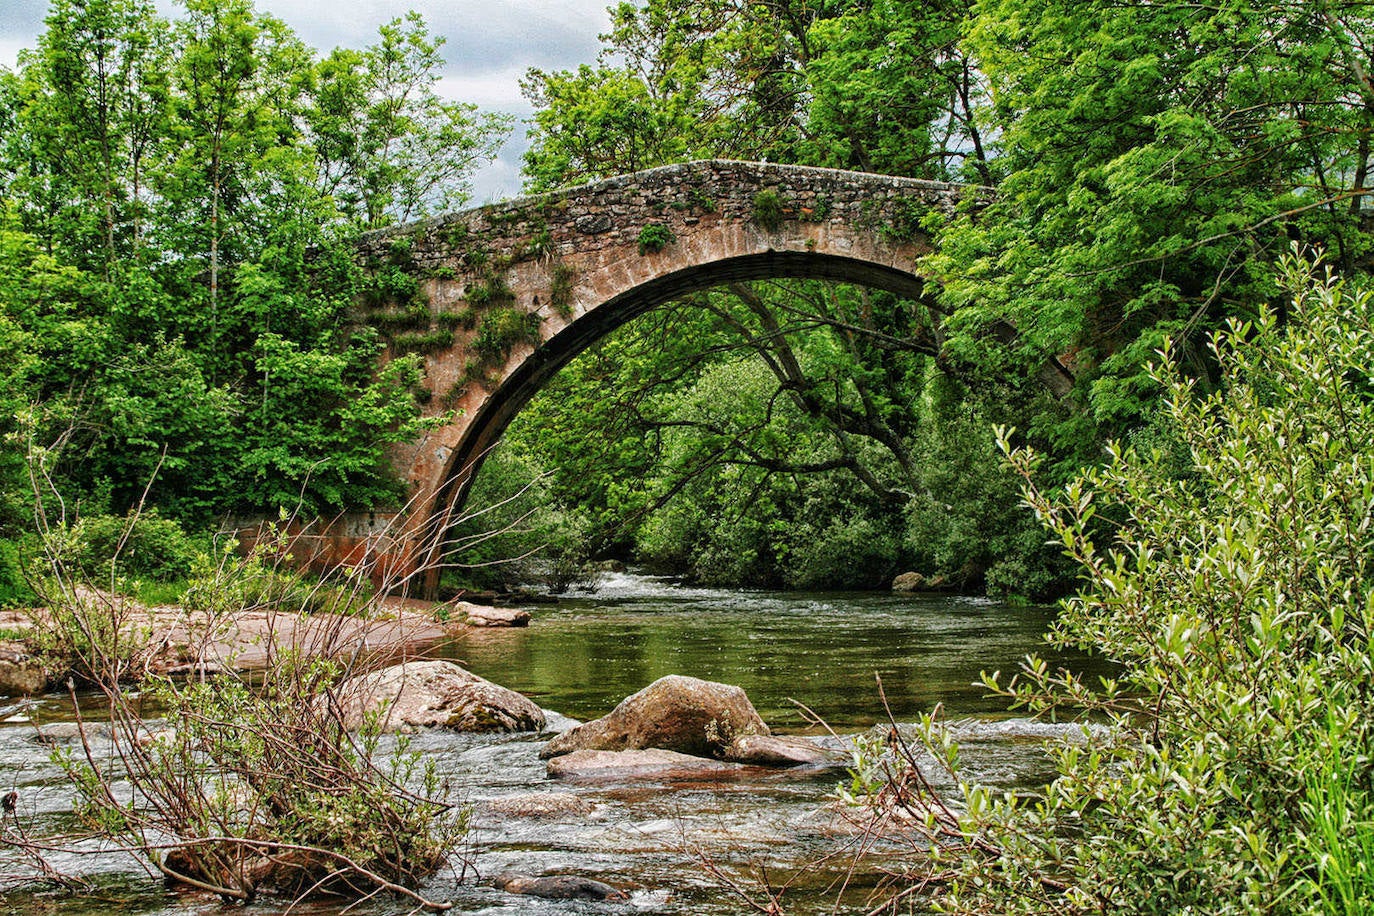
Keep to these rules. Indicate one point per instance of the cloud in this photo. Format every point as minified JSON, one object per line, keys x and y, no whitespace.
{"x":9,"y":51}
{"x":482,"y":35}
{"x":23,"y":17}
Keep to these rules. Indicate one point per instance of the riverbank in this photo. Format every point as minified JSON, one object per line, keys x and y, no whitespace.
{"x":171,"y":641}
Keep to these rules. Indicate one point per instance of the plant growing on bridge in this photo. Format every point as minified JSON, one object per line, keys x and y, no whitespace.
{"x":561,"y":278}
{"x":500,"y":330}
{"x":655,"y":237}
{"x":494,"y":288}
{"x":422,"y":341}
{"x":768,"y":210}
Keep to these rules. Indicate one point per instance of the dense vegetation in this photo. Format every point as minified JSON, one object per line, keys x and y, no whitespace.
{"x":177,"y":290}
{"x":177,"y":200}
{"x":1145,"y":166}
{"x":176,"y":283}
{"x":1228,"y":765}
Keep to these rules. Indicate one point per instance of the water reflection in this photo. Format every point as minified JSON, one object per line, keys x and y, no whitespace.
{"x":585,"y":654}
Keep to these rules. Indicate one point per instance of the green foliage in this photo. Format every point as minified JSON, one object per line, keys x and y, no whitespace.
{"x":389,"y":148}
{"x":1155,"y":161}
{"x":463,"y":318}
{"x":390,"y":322}
{"x":655,"y":237}
{"x":561,"y":288}
{"x":392,"y":284}
{"x":500,"y":330}
{"x":269,"y":785}
{"x":702,"y":201}
{"x":768,"y":210}
{"x":422,"y":341}
{"x":597,"y":122}
{"x":14,"y":586}
{"x":893,"y":91}
{"x":882,"y":87}
{"x":906,"y":222}
{"x":494,"y":289}
{"x":521,"y":534}
{"x":399,"y":253}
{"x":141,"y":546}
{"x":177,"y":281}
{"x":1237,"y":601}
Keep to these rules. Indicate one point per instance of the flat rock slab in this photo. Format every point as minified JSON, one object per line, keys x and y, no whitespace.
{"x":436,"y":694}
{"x":539,"y":806}
{"x":478,"y":615}
{"x":779,"y":751}
{"x":674,"y":713}
{"x":650,"y":763}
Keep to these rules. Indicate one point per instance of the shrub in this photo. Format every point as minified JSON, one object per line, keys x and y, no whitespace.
{"x":1238,"y":599}
{"x":655,"y":237}
{"x":142,"y":546}
{"x":768,"y":210}
{"x":250,"y":788}
{"x":500,"y":330}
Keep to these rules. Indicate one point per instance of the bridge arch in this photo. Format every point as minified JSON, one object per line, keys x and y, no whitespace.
{"x":510,"y":293}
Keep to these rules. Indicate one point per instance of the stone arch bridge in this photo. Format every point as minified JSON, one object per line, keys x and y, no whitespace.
{"x":497,"y":299}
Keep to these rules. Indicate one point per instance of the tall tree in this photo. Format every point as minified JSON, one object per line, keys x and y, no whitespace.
{"x":1158,"y":158}
{"x":87,"y":144}
{"x":389,"y":147}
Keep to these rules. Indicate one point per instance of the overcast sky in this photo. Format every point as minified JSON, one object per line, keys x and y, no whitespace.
{"x":491,"y":43}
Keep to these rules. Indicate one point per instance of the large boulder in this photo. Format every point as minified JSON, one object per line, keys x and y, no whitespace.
{"x":22,"y":673}
{"x":436,"y":694}
{"x":908,"y":582}
{"x":673,"y":713}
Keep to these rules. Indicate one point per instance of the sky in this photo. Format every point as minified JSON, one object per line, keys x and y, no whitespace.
{"x":491,"y":43}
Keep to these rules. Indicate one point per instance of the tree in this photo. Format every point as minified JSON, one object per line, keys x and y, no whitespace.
{"x":86,"y":147}
{"x":389,"y":147}
{"x":881,"y":86}
{"x":1228,"y":769}
{"x":1157,"y":159}
{"x":178,"y":269}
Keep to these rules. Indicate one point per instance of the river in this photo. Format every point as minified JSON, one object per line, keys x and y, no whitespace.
{"x":789,"y":651}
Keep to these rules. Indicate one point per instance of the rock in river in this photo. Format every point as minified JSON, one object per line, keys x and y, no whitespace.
{"x":539,"y":806}
{"x":652,"y":764}
{"x":908,"y":582}
{"x":780,"y":751}
{"x":480,"y":615}
{"x":22,"y":674}
{"x":674,"y":713}
{"x":558,"y":887}
{"x":436,"y":694}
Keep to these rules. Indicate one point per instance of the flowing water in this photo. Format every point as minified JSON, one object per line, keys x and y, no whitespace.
{"x":798,"y":656}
